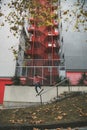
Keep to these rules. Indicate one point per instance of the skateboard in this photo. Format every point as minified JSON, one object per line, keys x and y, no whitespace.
{"x":39,"y":92}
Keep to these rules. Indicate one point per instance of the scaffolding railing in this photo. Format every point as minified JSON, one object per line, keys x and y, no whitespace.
{"x":50,"y":72}
{"x":43,"y":62}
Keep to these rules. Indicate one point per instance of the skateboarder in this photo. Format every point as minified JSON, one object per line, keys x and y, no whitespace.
{"x":36,"y":81}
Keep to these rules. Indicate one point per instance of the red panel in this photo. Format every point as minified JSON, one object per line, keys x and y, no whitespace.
{"x":3,"y":82}
{"x":74,"y":77}
{"x":1,"y":92}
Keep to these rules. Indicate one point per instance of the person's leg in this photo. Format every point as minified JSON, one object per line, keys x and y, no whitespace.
{"x":36,"y":88}
{"x":39,"y":85}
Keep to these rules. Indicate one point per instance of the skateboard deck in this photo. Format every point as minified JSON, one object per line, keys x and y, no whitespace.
{"x":39,"y":92}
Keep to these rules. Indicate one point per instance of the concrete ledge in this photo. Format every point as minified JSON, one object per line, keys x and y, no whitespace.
{"x":26,"y":95}
{"x":11,"y":105}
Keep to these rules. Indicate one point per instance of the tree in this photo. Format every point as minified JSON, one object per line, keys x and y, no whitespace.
{"x":75,"y":16}
{"x":23,"y":8}
{"x":82,"y":79}
{"x":16,"y":80}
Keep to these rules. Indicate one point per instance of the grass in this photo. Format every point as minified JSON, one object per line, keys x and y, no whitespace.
{"x":67,"y":110}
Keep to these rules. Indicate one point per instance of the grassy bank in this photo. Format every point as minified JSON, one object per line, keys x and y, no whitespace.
{"x":70,"y":109}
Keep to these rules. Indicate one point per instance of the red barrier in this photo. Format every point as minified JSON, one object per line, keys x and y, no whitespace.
{"x":3,"y":82}
{"x":2,"y":87}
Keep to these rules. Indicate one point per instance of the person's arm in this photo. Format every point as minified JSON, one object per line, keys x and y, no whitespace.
{"x":42,"y":77}
{"x":30,"y":78}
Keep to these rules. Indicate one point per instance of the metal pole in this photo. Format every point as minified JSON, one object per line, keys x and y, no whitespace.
{"x":57,"y":91}
{"x":41,"y":99}
{"x":59,"y":84}
{"x":69,"y":87}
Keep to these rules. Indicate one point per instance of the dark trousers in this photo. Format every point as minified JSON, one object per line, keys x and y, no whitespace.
{"x":36,"y":86}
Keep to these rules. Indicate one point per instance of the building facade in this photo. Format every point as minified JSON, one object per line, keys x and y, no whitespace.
{"x":39,"y":52}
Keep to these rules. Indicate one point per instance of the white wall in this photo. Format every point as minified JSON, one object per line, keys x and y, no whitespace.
{"x":7,"y":40}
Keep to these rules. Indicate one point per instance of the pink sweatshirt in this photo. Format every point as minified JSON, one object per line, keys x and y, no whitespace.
{"x":36,"y":79}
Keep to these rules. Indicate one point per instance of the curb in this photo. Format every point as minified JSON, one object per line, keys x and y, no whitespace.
{"x":43,"y":126}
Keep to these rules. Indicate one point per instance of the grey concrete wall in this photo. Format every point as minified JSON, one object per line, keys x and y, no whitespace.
{"x":74,"y":40}
{"x":26,"y":94}
{"x":75,"y":48}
